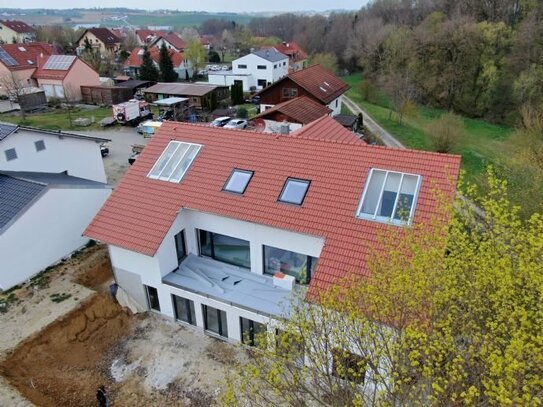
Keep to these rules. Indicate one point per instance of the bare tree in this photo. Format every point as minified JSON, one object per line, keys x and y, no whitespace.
{"x":15,"y":87}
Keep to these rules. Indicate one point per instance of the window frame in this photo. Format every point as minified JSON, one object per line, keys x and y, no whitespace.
{"x":149,"y":302}
{"x":311,"y":263}
{"x":242,"y":66}
{"x":182,"y":159}
{"x":42,"y":144}
{"x":234,"y":171}
{"x":378,"y":218}
{"x":248,"y":337}
{"x":262,"y":67}
{"x":285,"y":186}
{"x":191,"y":310}
{"x":223,"y":331}
{"x":183,"y":246}
{"x":212,"y":244}
{"x":289,"y":93}
{"x":14,"y":157}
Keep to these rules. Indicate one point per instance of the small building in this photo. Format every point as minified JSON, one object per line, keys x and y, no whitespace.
{"x":62,"y":76}
{"x":314,"y":82}
{"x":349,"y":121}
{"x":172,"y":41}
{"x":180,"y":65}
{"x":14,"y":31}
{"x":17,"y":64}
{"x":101,"y":39}
{"x":200,"y":95}
{"x":297,"y":57}
{"x":112,"y":95}
{"x":145,"y":37}
{"x":254,"y":71}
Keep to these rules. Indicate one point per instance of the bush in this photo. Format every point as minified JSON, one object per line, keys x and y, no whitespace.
{"x":214,"y":57}
{"x":242,"y":113}
{"x":446,"y":133}
{"x":54,"y":102}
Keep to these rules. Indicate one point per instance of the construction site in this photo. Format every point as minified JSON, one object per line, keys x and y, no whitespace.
{"x":64,"y":335}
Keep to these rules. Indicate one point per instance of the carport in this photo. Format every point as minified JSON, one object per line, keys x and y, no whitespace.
{"x":176,"y":104}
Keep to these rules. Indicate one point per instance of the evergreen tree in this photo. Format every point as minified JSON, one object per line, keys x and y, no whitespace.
{"x":167,"y":73}
{"x":148,"y":70}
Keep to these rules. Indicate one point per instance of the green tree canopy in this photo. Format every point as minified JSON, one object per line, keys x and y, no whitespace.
{"x":195,"y":53}
{"x":167,"y":73}
{"x":451,"y":315}
{"x":148,"y":70}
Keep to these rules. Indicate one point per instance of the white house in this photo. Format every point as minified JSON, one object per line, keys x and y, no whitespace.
{"x":239,"y":221}
{"x":255,"y":70}
{"x":30,"y":149}
{"x":51,"y":185}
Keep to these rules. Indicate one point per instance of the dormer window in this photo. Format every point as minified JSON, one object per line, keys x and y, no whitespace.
{"x":294,"y":191}
{"x":238,"y":181}
{"x":174,"y":161}
{"x":389,"y":197}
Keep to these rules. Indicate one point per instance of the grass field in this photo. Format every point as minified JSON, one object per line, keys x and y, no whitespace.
{"x":185,"y":19}
{"x":58,"y":119}
{"x":483,"y":145}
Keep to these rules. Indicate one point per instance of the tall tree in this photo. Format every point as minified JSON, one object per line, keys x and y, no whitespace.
{"x":167,"y":73}
{"x":451,"y":315}
{"x":148,"y":70}
{"x":196,"y":54}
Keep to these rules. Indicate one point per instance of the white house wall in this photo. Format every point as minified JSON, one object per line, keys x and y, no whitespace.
{"x":335,"y":105}
{"x":80,"y":157}
{"x":48,"y":231}
{"x":270,"y":74}
{"x":221,"y":79}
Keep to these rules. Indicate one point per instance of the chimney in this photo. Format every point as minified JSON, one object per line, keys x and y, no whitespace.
{"x":285,"y":128}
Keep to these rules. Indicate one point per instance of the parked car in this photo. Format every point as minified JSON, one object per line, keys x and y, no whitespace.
{"x":236,"y":124}
{"x":220,"y":121}
{"x":132,"y":159}
{"x":104,"y":150}
{"x":255,"y":100}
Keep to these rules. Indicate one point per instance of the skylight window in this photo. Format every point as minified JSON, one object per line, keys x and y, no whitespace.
{"x":294,"y":191}
{"x":390,"y":197}
{"x":238,"y":181}
{"x":174,"y":161}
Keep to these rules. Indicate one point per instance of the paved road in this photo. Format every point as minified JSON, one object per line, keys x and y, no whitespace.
{"x":387,"y":138}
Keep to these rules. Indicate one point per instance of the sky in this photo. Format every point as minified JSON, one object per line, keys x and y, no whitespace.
{"x":202,"y":5}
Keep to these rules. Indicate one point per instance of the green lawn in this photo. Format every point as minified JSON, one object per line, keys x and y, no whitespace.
{"x":58,"y":119}
{"x":484,"y":143}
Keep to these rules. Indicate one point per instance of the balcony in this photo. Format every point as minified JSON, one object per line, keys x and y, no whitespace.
{"x":231,"y":285}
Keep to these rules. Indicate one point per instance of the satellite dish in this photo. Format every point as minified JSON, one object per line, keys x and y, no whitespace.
{"x":260,"y":125}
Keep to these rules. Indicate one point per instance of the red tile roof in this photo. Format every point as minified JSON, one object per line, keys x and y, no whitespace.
{"x":146,"y":35}
{"x":173,"y":39}
{"x":26,"y":55}
{"x":301,"y":110}
{"x":18,"y":26}
{"x":292,"y":49}
{"x":320,"y":82}
{"x":134,"y":60}
{"x":141,"y":210}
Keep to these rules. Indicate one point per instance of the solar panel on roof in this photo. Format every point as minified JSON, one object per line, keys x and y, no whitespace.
{"x":6,"y":58}
{"x":59,"y":62}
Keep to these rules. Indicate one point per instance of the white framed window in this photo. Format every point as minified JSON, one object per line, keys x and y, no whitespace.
{"x":390,"y":196}
{"x":174,"y":161}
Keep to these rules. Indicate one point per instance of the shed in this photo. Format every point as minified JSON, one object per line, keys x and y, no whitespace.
{"x":105,"y":95}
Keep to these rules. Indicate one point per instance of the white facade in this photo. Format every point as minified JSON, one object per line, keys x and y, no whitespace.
{"x":79,"y":156}
{"x":50,"y":229}
{"x":256,"y":72}
{"x":134,"y":270}
{"x":335,"y":105}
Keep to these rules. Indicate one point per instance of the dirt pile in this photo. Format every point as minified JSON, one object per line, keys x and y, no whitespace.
{"x":95,"y":270}
{"x":63,"y":365}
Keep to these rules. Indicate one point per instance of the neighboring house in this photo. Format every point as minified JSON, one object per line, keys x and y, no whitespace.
{"x":205,"y":40}
{"x":297,"y":112}
{"x":297,"y":57}
{"x":238,"y":221}
{"x":314,"y":82}
{"x":102,"y":39}
{"x":199,"y":95}
{"x":132,"y":65}
{"x":172,"y":42}
{"x":12,"y":32}
{"x":51,"y":185}
{"x":145,"y":37}
{"x":62,"y":76}
{"x":254,"y":71}
{"x":349,"y":121}
{"x":25,"y":148}
{"x":17,"y":64}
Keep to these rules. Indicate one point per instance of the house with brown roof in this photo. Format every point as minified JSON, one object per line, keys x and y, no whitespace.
{"x":295,"y":112}
{"x":17,"y":64}
{"x":102,"y":39}
{"x":201,"y":96}
{"x":132,"y":65}
{"x":13,"y":31}
{"x":314,"y":82}
{"x":297,"y":57}
{"x":61,"y":76}
{"x":218,"y":228}
{"x":145,"y":37}
{"x":172,"y":41}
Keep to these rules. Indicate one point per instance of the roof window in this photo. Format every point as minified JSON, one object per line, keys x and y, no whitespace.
{"x":389,"y":197}
{"x":238,"y":181}
{"x":294,"y":191}
{"x":174,"y":161}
